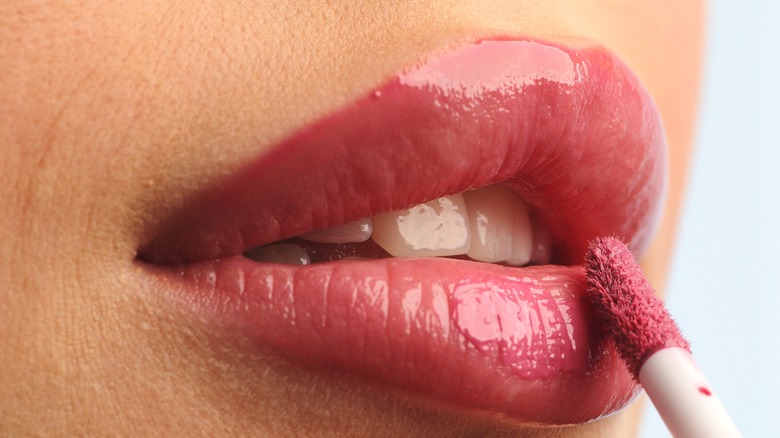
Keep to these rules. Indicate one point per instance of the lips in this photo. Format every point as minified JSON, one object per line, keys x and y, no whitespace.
{"x":571,"y":132}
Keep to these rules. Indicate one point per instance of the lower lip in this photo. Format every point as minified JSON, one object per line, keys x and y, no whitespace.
{"x":471,"y":335}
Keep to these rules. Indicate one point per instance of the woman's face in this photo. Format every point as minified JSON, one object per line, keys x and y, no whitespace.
{"x":117,"y":120}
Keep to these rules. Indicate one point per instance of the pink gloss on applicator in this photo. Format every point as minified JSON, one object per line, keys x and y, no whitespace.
{"x":650,"y":342}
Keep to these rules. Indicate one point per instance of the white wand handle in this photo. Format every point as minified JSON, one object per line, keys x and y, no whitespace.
{"x":683,"y":398}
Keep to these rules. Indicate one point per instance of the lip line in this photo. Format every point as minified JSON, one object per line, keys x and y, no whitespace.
{"x":491,"y":169}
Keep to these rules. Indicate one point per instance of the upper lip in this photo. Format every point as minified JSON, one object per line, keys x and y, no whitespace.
{"x":572,"y":132}
{"x":575,"y":135}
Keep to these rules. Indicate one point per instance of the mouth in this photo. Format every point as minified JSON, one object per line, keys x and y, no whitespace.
{"x":428,"y":235}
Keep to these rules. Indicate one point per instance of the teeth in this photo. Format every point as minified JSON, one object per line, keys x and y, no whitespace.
{"x":283,"y":253}
{"x":542,"y":249}
{"x":490,"y":224}
{"x":357,"y":231}
{"x":500,"y":226}
{"x":434,"y":229}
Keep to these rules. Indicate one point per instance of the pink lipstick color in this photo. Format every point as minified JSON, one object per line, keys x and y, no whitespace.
{"x":571,"y":132}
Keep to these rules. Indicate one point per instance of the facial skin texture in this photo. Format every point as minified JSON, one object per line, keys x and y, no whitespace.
{"x":112,"y":113}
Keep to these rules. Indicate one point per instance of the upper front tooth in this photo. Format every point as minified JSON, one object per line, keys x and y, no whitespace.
{"x":500,"y":226}
{"x":356,"y":231}
{"x":435,"y":228}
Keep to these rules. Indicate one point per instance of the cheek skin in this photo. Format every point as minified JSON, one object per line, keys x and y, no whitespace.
{"x":106,"y":110}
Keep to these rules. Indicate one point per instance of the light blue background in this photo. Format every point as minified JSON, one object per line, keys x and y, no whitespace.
{"x":724,"y":288}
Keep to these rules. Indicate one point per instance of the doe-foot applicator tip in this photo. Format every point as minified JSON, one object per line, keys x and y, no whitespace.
{"x":650,"y":342}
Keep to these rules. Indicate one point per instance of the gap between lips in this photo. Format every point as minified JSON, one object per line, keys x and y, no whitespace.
{"x":490,"y":224}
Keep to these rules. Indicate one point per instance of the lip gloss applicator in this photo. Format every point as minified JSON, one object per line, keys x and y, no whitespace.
{"x":651,"y":344}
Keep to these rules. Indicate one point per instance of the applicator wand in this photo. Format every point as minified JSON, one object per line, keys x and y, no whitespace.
{"x":650,"y":343}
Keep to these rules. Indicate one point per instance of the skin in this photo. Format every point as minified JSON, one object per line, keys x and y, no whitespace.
{"x":112,"y":113}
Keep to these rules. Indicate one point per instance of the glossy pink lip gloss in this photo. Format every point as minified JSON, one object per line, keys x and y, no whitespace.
{"x":571,"y":132}
{"x":530,"y":326}
{"x":474,"y":335}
